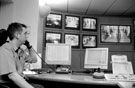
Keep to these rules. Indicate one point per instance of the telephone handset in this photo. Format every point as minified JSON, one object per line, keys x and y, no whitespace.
{"x":27,"y":44}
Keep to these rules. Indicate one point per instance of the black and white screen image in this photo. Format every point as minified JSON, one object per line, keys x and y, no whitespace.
{"x":72,"y":39}
{"x":124,"y":34}
{"x":109,"y":33}
{"x":89,"y":23}
{"x":120,"y":34}
{"x":54,"y":21}
{"x":89,"y":41}
{"x":53,"y":38}
{"x":72,"y":22}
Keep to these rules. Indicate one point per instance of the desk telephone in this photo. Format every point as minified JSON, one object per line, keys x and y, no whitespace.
{"x":62,"y":70}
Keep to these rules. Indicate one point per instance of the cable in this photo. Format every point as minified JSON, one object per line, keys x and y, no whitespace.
{"x":42,"y":60}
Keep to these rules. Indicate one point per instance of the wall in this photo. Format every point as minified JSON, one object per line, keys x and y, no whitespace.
{"x":24,"y":11}
{"x":6,"y":14}
{"x":126,"y":49}
{"x":78,"y":54}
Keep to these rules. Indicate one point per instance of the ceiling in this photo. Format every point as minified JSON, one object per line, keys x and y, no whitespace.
{"x":96,"y":7}
{"x":93,"y":7}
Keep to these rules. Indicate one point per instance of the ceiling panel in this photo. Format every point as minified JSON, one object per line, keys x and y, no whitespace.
{"x":60,"y":7}
{"x":92,"y":7}
{"x":130,"y":12}
{"x":78,"y":6}
{"x":119,"y":7}
{"x":98,"y":7}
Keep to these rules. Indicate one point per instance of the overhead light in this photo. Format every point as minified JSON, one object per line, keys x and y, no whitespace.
{"x":42,"y":2}
{"x":44,"y":9}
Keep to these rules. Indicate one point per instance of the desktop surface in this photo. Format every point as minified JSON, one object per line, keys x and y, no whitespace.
{"x":82,"y":80}
{"x":77,"y":80}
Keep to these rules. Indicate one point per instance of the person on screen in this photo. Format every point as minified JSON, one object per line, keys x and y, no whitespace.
{"x":12,"y":58}
{"x":124,"y":34}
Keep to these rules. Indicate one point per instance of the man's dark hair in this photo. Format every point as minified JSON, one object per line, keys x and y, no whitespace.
{"x":13,"y":28}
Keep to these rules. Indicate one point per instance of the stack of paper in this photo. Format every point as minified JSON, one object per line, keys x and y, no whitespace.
{"x":120,"y":65}
{"x":122,"y":69}
{"x":120,"y":77}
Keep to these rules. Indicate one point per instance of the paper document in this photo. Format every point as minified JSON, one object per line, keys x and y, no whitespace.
{"x":120,"y":77}
{"x":120,"y":65}
{"x":119,"y":58}
{"x":122,"y":68}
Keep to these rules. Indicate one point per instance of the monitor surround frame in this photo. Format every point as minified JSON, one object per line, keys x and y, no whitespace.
{"x":54,"y":54}
{"x":89,"y":41}
{"x":89,"y":24}
{"x":115,"y":34}
{"x":72,"y":39}
{"x":101,"y":65}
{"x":72,"y":22}
{"x":54,"y":20}
{"x":52,"y":37}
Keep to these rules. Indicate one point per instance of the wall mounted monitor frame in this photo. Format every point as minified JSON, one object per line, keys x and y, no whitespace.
{"x":125,"y":34}
{"x":54,"y":20}
{"x":72,"y":39}
{"x":115,"y":33}
{"x":89,"y":41}
{"x":72,"y":22}
{"x":108,"y":33}
{"x":52,"y":37}
{"x":89,"y":24}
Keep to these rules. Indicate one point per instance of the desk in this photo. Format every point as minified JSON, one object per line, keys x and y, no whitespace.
{"x":77,"y":80}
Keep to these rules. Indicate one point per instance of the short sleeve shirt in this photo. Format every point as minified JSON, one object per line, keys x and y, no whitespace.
{"x":9,"y":61}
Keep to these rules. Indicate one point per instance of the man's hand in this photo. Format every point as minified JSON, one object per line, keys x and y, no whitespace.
{"x":27,"y":44}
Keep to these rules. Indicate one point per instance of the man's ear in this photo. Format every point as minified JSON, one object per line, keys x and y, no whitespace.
{"x":17,"y":35}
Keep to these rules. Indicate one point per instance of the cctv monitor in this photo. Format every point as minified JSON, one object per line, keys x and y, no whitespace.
{"x":58,"y":54}
{"x":96,"y":58}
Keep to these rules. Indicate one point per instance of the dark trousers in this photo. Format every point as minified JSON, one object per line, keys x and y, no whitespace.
{"x":12,"y":85}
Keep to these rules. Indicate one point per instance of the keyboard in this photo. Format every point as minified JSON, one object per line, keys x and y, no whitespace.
{"x":120,"y":77}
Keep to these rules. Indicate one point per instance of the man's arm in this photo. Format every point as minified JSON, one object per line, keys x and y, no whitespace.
{"x":29,"y":55}
{"x":32,"y":55}
{"x":18,"y":80}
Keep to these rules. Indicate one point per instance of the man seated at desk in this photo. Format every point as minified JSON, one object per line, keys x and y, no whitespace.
{"x":12,"y":59}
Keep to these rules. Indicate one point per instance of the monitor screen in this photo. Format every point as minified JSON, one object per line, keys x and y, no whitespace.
{"x":54,"y":20}
{"x":58,"y":54}
{"x":96,"y":58}
{"x":72,"y":22}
